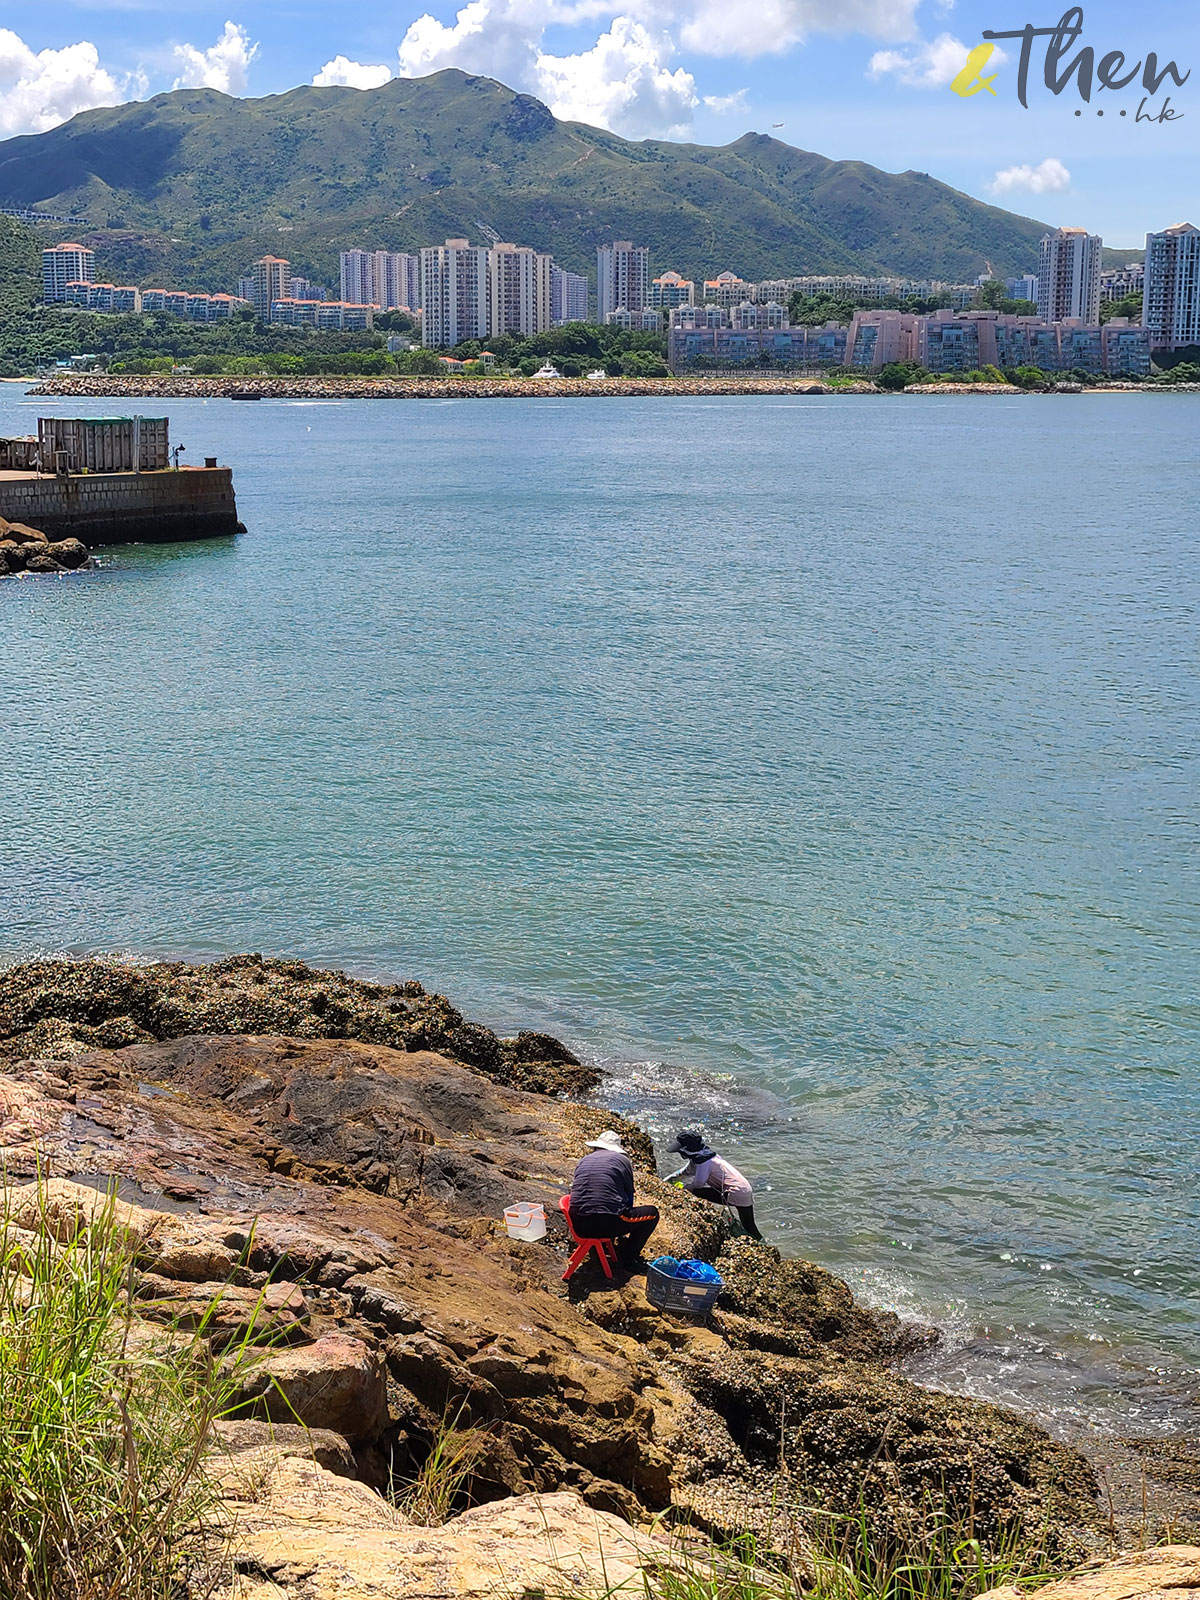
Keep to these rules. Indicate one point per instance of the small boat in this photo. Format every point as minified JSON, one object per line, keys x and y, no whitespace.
{"x":245,"y":394}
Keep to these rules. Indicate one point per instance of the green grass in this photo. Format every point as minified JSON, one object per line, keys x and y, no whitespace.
{"x":441,"y":1485}
{"x":103,"y":1427}
{"x":930,"y":1556}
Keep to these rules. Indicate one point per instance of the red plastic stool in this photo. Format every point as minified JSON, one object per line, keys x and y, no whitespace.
{"x":605,"y":1249}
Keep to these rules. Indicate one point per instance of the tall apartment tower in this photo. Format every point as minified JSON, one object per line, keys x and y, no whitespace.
{"x":355,"y":279}
{"x":1069,"y":276}
{"x":1171,"y":297}
{"x":518,"y":290}
{"x":396,"y":280}
{"x":623,"y":278}
{"x":568,"y":296}
{"x":271,"y":280}
{"x":454,"y":293}
{"x":64,"y":264}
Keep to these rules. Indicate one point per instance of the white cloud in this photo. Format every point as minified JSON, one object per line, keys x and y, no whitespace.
{"x":931,"y":64}
{"x":40,"y":90}
{"x":223,"y":67}
{"x":718,"y":28}
{"x":1048,"y":177}
{"x":622,"y":83}
{"x":351,"y":74}
{"x":498,"y":38}
{"x":722,"y":104}
{"x":625,"y":81}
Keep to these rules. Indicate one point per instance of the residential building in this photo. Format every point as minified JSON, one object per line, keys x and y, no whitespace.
{"x":671,"y":290}
{"x":568,"y":296}
{"x":715,"y":348}
{"x":1023,"y":288}
{"x":647,"y":321}
{"x":622,"y":278}
{"x":518,"y":290}
{"x":1171,"y":303}
{"x":303,"y":289}
{"x":271,"y":278}
{"x":454,"y":293}
{"x":194,"y":307}
{"x":1069,"y":276}
{"x":108,"y":297}
{"x":750,"y":315}
{"x":713,"y":316}
{"x":1127,"y":349}
{"x":389,"y":279}
{"x":1122,"y":282}
{"x":356,"y":278}
{"x":336,"y":315}
{"x":726,"y":289}
{"x":63,"y":264}
{"x":245,"y":288}
{"x":878,"y":338}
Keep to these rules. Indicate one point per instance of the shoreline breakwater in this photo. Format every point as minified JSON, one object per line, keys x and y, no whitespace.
{"x":347,"y":1148}
{"x":181,"y":387}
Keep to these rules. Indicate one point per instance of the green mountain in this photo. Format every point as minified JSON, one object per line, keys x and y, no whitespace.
{"x":189,"y":187}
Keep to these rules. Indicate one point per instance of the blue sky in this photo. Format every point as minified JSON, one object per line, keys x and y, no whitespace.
{"x":868,"y":79}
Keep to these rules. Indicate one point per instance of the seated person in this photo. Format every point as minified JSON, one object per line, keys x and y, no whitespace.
{"x":709,"y":1177}
{"x":601,"y":1201}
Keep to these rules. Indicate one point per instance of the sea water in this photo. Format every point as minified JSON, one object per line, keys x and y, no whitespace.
{"x":826,"y":767}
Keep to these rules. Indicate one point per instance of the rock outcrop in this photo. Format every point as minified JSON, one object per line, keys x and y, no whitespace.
{"x":25,"y":549}
{"x":1168,"y":1572}
{"x":345,"y":1151}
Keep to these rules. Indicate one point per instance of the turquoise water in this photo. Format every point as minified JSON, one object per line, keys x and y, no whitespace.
{"x":827,"y":768}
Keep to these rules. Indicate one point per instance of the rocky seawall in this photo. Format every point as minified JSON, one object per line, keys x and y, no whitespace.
{"x":345,"y":1150}
{"x":160,"y":387}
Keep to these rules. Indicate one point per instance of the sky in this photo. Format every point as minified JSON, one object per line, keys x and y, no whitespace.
{"x":870,"y":80}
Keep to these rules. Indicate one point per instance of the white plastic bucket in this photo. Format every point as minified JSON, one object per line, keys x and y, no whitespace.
{"x":525,"y":1220}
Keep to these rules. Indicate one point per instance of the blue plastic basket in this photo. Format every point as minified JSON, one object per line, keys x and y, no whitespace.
{"x":680,"y":1294}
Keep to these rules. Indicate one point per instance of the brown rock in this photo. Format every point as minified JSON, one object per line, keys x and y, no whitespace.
{"x":70,"y":553}
{"x":226,"y":1313}
{"x":1170,"y":1572}
{"x":328,"y":1449}
{"x":19,"y":533}
{"x":40,"y":563}
{"x":309,"y":1533}
{"x":336,"y":1383}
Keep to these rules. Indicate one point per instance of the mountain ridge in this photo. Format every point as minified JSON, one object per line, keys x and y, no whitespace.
{"x":191,"y":185}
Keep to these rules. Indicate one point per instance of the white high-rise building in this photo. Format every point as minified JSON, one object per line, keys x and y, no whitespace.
{"x":389,"y":279}
{"x":622,"y":278}
{"x":271,"y":280}
{"x":1069,"y":276}
{"x":395,"y":280}
{"x":1171,"y":298}
{"x":454,"y":293}
{"x":518,"y":290}
{"x":63,"y":264}
{"x":356,"y":278}
{"x":568,"y":296}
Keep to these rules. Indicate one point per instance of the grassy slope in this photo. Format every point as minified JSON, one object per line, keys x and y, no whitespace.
{"x":191,"y":185}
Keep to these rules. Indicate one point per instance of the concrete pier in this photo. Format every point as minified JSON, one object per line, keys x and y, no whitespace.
{"x":106,"y":508}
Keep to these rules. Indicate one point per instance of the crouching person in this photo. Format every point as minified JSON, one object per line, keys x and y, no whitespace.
{"x":710,"y":1177}
{"x":602,"y":1200}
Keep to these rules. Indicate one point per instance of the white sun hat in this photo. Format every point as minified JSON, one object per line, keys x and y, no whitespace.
{"x":608,"y":1140}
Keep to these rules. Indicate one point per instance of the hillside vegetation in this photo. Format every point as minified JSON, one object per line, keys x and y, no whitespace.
{"x":190,"y":186}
